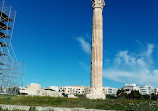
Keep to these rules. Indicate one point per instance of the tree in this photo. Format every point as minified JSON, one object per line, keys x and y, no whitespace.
{"x":154,"y":97}
{"x":135,"y":95}
{"x":81,"y":95}
{"x":111,"y":97}
{"x":146,"y":97}
{"x":121,"y":94}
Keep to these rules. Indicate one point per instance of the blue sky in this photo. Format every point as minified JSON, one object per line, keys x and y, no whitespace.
{"x":53,"y":37}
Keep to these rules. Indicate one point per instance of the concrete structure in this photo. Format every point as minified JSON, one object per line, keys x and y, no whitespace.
{"x":35,"y":89}
{"x":43,"y":108}
{"x":97,"y":51}
{"x":131,"y":87}
{"x":74,"y":89}
{"x":146,"y":89}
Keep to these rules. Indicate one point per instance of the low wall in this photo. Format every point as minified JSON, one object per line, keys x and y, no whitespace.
{"x":39,"y":108}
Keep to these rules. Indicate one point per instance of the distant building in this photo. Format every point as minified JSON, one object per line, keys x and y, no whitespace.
{"x":156,"y":91}
{"x":74,"y":89}
{"x":146,"y":89}
{"x":130,"y":87}
{"x":105,"y":90}
{"x":110,"y":91}
{"x":87,"y":89}
{"x":22,"y":88}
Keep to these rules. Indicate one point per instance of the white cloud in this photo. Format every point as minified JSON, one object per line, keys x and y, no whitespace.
{"x":84,"y":45}
{"x":127,"y":67}
{"x":133,"y":68}
{"x":150,"y":50}
{"x":123,"y":57}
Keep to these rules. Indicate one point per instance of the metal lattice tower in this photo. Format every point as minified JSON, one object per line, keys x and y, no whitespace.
{"x":11,"y":70}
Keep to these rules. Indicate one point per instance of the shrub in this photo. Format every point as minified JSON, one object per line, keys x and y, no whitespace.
{"x":111,"y":96}
{"x":80,"y":95}
{"x":32,"y":108}
{"x":135,"y":95}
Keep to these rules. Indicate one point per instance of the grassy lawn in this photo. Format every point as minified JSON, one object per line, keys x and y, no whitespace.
{"x":108,"y":104}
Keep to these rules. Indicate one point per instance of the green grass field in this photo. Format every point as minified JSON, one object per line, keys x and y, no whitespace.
{"x":108,"y":104}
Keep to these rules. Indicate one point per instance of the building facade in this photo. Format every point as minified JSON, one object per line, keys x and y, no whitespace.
{"x":131,"y":87}
{"x":146,"y":89}
{"x":110,"y":91}
{"x":156,"y":91}
{"x":105,"y":90}
{"x":74,"y":89}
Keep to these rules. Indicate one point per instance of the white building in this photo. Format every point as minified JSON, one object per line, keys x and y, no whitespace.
{"x":74,"y":89}
{"x":105,"y":90}
{"x":110,"y":91}
{"x":131,"y":87}
{"x":146,"y":89}
{"x":85,"y":90}
{"x":156,"y":91}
